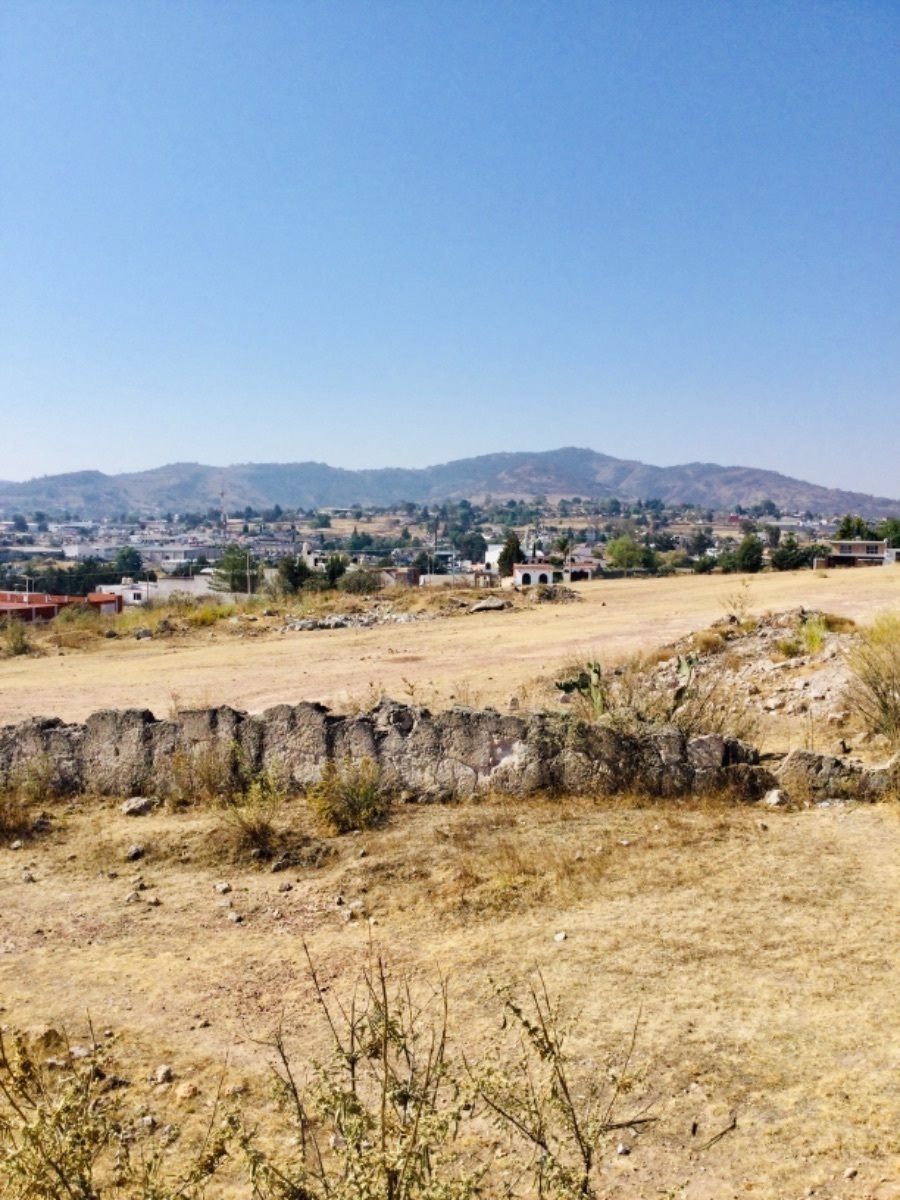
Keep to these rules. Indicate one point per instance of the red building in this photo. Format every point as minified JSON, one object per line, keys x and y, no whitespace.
{"x":41,"y":606}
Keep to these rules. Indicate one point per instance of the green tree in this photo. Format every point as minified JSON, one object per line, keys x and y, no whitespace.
{"x":20,"y":525}
{"x":700,"y":541}
{"x":789,"y":556}
{"x":563,"y":545}
{"x":471,"y":546}
{"x":852,"y":527}
{"x":128,"y":561}
{"x":889,"y":531}
{"x":749,"y":554}
{"x":335,"y":567}
{"x":624,"y":554}
{"x":510,"y":554}
{"x":293,"y":574}
{"x":236,"y":571}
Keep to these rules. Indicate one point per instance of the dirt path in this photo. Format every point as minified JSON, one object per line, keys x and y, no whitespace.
{"x":476,"y":659}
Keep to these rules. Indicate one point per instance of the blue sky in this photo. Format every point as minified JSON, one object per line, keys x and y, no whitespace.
{"x":392,"y":234}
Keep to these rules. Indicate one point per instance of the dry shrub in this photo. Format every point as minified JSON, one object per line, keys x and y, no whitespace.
{"x":208,"y":613}
{"x":736,"y":603}
{"x":251,"y":816}
{"x":380,"y":1116}
{"x":838,"y":624}
{"x":15,"y":638}
{"x":15,"y":814}
{"x":350,"y":795}
{"x":210,"y":772}
{"x":80,"y":616}
{"x":66,"y":1133}
{"x":21,"y":792}
{"x":709,"y":641}
{"x":873,"y":693}
{"x":789,"y":647}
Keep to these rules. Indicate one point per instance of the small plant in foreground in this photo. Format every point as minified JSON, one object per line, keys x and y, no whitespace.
{"x":559,"y":1115}
{"x":350,"y":795}
{"x":737,"y":602}
{"x":874,"y":690}
{"x":65,"y":1133}
{"x":380,"y":1118}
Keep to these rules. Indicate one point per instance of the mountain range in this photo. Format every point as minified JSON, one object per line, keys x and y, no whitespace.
{"x":185,"y":487}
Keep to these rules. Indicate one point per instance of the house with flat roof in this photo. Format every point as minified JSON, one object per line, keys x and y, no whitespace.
{"x":857,"y":552}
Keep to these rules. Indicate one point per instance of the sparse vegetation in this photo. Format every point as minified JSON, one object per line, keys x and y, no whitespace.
{"x":15,"y":638}
{"x":350,"y":795}
{"x":874,"y":690}
{"x":633,"y":698}
{"x":65,"y":1132}
{"x":381,"y":1117}
{"x":251,"y":815}
{"x":22,"y":792}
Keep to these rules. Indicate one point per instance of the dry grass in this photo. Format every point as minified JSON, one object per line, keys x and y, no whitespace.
{"x":742,"y":940}
{"x":499,"y":655}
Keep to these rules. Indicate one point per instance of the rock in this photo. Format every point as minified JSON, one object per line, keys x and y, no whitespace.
{"x":16,"y":845}
{"x":223,"y":888}
{"x":623,"y":1149}
{"x":706,"y":752}
{"x":134,"y":852}
{"x":285,"y":886}
{"x":153,"y":901}
{"x":560,"y":937}
{"x":186,"y":1090}
{"x":490,"y":604}
{"x":235,"y":917}
{"x":137,"y":806}
{"x":132,"y":898}
{"x":27,"y":877}
{"x":851,"y":1173}
{"x":163,"y":1074}
{"x":142,"y":633}
{"x":775,"y":798}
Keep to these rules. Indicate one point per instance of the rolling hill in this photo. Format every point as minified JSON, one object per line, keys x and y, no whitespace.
{"x":181,"y":487}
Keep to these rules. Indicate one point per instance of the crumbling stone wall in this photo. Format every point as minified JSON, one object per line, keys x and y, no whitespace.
{"x":460,"y":752}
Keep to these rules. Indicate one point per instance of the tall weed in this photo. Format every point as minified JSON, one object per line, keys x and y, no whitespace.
{"x":874,"y":690}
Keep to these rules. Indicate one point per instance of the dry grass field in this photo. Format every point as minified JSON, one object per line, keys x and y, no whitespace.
{"x":476,"y":659}
{"x":754,"y":952}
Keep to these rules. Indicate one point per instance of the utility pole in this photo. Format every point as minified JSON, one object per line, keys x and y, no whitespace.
{"x":248,"y":574}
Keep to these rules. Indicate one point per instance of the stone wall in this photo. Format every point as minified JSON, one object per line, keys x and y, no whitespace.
{"x":460,"y":752}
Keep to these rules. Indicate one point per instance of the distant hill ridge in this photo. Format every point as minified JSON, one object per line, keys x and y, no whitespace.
{"x":182,"y":487}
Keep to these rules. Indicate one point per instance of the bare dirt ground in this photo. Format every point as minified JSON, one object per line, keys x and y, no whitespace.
{"x":475,"y":659}
{"x":757,"y":952}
